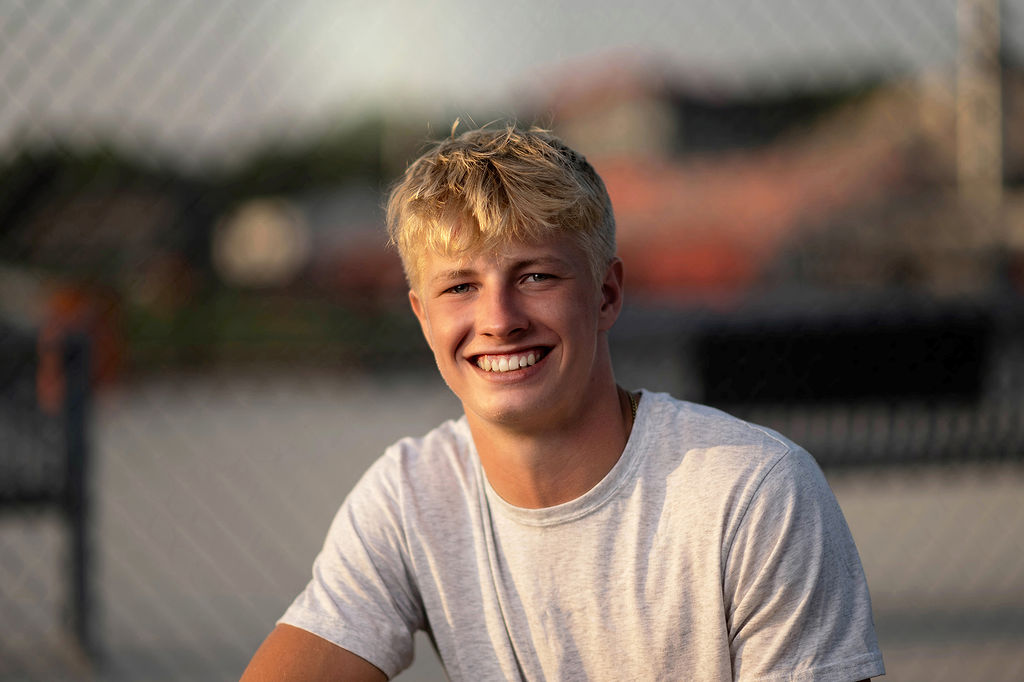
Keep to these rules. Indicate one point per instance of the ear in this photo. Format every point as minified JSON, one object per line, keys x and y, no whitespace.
{"x":421,"y":314}
{"x":611,"y":295}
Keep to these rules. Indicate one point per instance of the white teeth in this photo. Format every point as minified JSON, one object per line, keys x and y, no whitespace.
{"x":507,"y":363}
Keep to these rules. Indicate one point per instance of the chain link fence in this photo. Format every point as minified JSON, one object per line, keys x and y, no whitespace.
{"x":820,"y":212}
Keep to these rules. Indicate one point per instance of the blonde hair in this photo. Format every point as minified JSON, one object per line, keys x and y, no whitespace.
{"x":490,"y":187}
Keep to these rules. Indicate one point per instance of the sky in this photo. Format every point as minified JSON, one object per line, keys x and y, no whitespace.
{"x":205,"y":78}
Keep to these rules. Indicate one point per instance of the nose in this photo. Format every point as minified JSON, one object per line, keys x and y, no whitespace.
{"x":500,"y":313}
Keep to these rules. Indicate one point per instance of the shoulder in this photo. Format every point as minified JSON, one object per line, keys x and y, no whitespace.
{"x":417,"y":470}
{"x":445,"y":451}
{"x":722,"y":464}
{"x":448,"y":444}
{"x":704,"y":426}
{"x":708,"y":441}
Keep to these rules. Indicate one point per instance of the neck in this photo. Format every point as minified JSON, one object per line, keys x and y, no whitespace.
{"x":546,"y":466}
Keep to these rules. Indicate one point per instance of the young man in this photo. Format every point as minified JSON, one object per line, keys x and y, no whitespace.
{"x":565,"y":528}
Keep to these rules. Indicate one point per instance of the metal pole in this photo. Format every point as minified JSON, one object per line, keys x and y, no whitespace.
{"x":77,"y":510}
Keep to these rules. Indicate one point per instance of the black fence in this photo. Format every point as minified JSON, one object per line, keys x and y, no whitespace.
{"x":44,"y":459}
{"x":858,"y":383}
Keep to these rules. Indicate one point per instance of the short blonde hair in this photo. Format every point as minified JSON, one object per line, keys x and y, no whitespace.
{"x":490,"y":187}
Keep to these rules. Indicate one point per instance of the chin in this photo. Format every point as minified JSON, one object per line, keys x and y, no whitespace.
{"x":513,"y":413}
{"x":506,"y":415}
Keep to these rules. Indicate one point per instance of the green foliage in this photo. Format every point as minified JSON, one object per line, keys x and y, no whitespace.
{"x":230,"y":328}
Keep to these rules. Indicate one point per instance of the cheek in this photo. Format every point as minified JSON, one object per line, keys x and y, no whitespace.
{"x":585,"y":316}
{"x":448,"y":332}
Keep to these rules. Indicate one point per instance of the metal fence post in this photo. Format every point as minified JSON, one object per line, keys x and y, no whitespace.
{"x":76,"y":500}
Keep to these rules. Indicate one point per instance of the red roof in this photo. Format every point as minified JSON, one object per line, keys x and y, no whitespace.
{"x":709,"y":226}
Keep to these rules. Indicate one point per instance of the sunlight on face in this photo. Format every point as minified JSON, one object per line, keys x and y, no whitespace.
{"x":518,"y":336}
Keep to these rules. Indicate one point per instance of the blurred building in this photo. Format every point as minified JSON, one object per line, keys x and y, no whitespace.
{"x":718,"y":196}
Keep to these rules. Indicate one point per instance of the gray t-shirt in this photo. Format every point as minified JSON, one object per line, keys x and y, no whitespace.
{"x":713,"y":550}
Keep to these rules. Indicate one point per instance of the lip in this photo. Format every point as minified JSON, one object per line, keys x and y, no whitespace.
{"x":522,"y":350}
{"x":522,"y":372}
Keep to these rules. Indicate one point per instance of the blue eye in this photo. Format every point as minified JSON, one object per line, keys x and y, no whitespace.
{"x":538,"y":277}
{"x":457,"y":289}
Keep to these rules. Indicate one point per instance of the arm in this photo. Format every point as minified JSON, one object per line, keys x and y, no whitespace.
{"x":796,"y":595}
{"x":290,"y":653}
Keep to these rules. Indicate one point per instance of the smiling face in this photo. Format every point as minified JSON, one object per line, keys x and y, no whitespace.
{"x":520,"y":336}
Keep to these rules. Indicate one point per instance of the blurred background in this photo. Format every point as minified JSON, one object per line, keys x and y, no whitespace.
{"x":204,"y":340}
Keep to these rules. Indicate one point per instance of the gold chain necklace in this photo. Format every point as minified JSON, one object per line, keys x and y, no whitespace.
{"x":633,"y":402}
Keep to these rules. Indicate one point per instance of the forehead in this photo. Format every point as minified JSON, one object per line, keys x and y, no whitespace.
{"x":557,"y":250}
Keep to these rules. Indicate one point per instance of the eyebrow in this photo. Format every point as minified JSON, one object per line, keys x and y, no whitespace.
{"x":451,"y":275}
{"x":542,"y":261}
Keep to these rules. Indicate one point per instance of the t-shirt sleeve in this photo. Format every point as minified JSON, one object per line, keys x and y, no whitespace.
{"x":796,"y":599}
{"x":362,"y":596}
